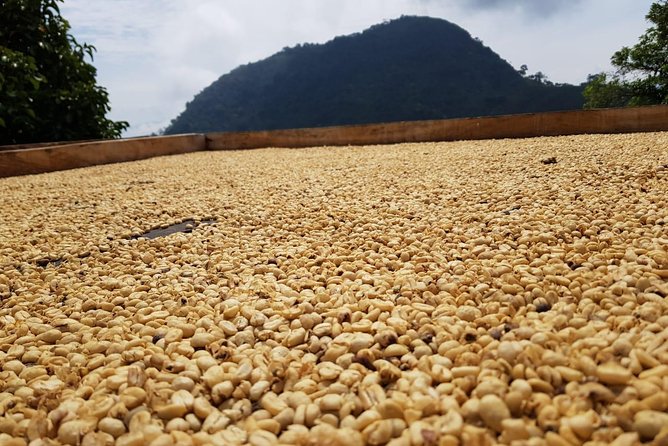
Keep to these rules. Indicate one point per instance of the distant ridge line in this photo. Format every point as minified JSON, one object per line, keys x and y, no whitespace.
{"x":408,"y":69}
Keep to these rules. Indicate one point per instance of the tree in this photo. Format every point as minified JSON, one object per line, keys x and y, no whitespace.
{"x":642,"y":70}
{"x":603,"y":91}
{"x":48,"y":90}
{"x":539,"y":77}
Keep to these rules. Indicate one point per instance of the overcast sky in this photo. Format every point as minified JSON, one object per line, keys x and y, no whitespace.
{"x":154,"y":55}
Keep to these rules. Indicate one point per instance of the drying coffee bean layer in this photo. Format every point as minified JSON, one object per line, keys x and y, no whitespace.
{"x":418,"y":294}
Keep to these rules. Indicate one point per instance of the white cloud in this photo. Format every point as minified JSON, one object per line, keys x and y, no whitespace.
{"x":154,"y":55}
{"x":542,"y":8}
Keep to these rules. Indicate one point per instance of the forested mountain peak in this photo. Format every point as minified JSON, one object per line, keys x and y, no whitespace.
{"x":411,"y":68}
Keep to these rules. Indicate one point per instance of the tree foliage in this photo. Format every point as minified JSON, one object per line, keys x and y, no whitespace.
{"x":48,"y":90}
{"x":641,"y":77}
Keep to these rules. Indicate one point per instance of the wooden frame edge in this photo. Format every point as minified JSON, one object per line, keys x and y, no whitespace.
{"x":54,"y":157}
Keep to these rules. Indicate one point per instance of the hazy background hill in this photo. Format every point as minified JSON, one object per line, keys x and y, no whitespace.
{"x":411,"y":68}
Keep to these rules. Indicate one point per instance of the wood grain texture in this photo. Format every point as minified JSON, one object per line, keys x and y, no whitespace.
{"x":70,"y":156}
{"x":619,"y":120}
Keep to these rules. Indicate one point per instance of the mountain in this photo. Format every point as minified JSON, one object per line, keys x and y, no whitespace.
{"x":411,"y":68}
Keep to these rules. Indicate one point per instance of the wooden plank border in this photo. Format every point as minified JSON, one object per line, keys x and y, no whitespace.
{"x":614,"y":120}
{"x":70,"y":156}
{"x":49,"y":157}
{"x":41,"y":145}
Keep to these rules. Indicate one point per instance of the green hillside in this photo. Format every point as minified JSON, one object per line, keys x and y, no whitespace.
{"x":412,"y":68}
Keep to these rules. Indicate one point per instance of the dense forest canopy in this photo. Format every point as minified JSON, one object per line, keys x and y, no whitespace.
{"x":411,"y":68}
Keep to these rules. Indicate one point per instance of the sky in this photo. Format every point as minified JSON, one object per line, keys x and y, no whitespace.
{"x":154,"y":56}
